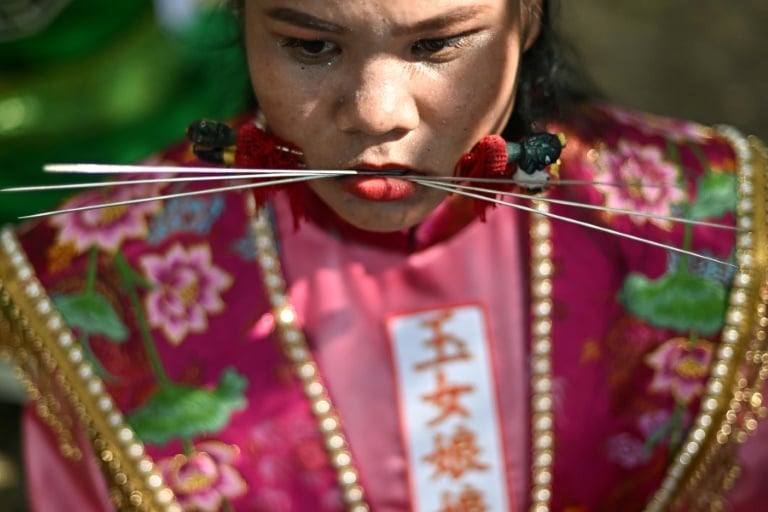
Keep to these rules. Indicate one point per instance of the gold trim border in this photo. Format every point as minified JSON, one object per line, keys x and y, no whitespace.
{"x":705,"y":467}
{"x":294,"y":345}
{"x":54,"y":368}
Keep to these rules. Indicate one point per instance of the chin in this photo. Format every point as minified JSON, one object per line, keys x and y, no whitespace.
{"x":380,"y":216}
{"x":375,"y":220}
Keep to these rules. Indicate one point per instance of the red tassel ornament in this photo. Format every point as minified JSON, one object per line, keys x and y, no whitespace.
{"x":487,"y":159}
{"x":258,"y":149}
{"x":250,"y":148}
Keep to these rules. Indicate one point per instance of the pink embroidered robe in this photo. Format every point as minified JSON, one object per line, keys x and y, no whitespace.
{"x":626,"y":393}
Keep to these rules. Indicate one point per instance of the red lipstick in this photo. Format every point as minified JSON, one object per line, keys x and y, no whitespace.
{"x":380,"y":183}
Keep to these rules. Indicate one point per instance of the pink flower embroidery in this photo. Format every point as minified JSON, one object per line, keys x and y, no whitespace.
{"x":627,"y":451}
{"x":681,"y":368}
{"x":203,"y":480}
{"x":650,"y":181}
{"x":188,"y":288}
{"x":650,"y":422}
{"x":108,"y":227}
{"x":289,"y":447}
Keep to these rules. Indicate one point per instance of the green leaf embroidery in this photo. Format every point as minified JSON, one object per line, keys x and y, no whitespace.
{"x":715,"y":196}
{"x":129,"y":275}
{"x":671,"y":429}
{"x":92,"y":313}
{"x":183,"y":412}
{"x":679,"y":301}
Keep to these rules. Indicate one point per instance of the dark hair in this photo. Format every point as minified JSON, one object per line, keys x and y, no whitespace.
{"x":550,"y":82}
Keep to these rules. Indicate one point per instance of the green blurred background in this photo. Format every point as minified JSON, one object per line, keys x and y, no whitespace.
{"x":113,"y":81}
{"x":110,"y":82}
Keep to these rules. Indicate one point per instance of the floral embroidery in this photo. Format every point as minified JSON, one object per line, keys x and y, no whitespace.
{"x":188,"y":289}
{"x":637,"y":166}
{"x":192,"y":215}
{"x":681,"y":367}
{"x":650,"y":422}
{"x":205,"y":479}
{"x":244,"y":246}
{"x":689,"y":298}
{"x":287,"y":447}
{"x":60,"y":256}
{"x":664,"y":428}
{"x":627,"y":451}
{"x":106,"y":228}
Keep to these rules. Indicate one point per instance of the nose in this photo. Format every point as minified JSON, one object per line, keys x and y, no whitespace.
{"x":377,"y":100}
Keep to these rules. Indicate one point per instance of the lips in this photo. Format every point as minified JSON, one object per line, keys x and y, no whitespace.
{"x":371,"y":186}
{"x":379,"y":188}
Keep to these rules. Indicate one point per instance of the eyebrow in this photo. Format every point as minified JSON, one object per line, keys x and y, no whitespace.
{"x":304,"y":20}
{"x":444,"y":20}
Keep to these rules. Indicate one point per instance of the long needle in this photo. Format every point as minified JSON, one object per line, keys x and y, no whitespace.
{"x":185,"y":179}
{"x":170,"y":169}
{"x":172,"y":196}
{"x":577,"y":222}
{"x":447,"y":183}
{"x":534,"y":182}
{"x":86,"y":168}
{"x":633,"y":213}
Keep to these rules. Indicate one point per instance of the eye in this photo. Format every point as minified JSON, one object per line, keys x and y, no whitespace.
{"x":310,"y":51}
{"x":437,"y":47}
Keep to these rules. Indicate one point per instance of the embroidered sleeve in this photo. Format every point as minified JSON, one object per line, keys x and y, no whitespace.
{"x":732,"y":402}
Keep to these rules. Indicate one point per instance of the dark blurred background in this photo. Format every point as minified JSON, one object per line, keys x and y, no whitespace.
{"x":89,"y":80}
{"x":700,"y":60}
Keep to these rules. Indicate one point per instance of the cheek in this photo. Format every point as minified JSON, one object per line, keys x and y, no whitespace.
{"x":478,"y":99}
{"x":284,"y":98}
{"x":496,"y":78}
{"x":285,"y":102}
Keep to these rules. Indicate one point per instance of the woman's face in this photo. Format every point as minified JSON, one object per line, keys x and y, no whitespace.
{"x":372,"y":84}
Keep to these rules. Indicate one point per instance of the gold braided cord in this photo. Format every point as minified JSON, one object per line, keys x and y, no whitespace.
{"x":15,"y":345}
{"x":68,"y":395}
{"x":706,"y":466}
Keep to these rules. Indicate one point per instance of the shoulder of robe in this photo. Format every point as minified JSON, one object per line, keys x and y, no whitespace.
{"x":656,"y":165}
{"x":611,"y":143}
{"x":603,"y":127}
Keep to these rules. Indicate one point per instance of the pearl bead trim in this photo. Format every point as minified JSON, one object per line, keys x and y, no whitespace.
{"x":542,"y":412}
{"x":295,"y":348}
{"x":137,"y":480}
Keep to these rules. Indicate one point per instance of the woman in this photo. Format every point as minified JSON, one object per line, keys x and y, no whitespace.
{"x":381,"y":340}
